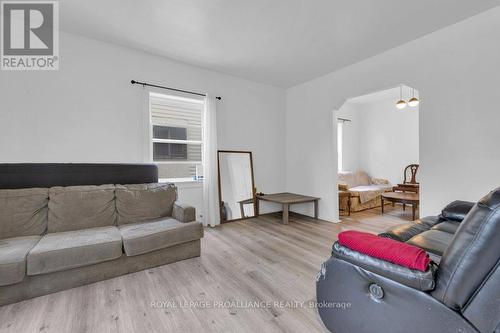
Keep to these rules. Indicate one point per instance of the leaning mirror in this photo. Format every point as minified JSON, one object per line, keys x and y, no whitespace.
{"x":236,"y":185}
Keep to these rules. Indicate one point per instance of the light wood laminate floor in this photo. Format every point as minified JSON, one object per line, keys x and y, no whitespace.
{"x":242,"y":263}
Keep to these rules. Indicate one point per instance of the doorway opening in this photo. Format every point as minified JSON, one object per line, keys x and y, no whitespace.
{"x":377,"y":142}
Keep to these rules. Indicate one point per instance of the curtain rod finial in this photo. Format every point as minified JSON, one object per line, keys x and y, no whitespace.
{"x":133,"y":81}
{"x":218,"y":97}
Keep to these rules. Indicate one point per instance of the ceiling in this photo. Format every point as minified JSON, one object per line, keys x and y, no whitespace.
{"x":280,"y":42}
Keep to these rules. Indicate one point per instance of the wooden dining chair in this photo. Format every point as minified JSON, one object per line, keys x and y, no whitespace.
{"x":410,"y":183}
{"x":411,"y":172}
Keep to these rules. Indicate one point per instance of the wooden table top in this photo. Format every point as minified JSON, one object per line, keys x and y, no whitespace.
{"x":286,"y":198}
{"x":401,"y":196}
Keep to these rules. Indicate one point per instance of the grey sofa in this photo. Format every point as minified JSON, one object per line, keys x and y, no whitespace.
{"x":56,"y":237}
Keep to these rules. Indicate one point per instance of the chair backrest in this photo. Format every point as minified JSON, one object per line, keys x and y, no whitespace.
{"x":410,"y":174}
{"x":472,"y":256}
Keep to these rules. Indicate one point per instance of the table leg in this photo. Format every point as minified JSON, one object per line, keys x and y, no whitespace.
{"x":404,"y":206}
{"x":382,"y":202}
{"x":285,"y":213}
{"x":413,"y":209}
{"x":242,"y":210}
{"x":349,"y":206}
{"x":316,"y":209}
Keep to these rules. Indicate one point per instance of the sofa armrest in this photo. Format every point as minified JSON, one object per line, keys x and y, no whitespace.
{"x":380,"y":181}
{"x":343,"y":187}
{"x":184,"y":213}
{"x":415,"y":279}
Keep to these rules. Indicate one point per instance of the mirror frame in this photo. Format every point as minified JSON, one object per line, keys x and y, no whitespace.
{"x":219,"y":181}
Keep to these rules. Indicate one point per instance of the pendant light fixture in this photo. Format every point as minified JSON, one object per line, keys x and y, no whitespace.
{"x":401,"y":104}
{"x":413,"y":101}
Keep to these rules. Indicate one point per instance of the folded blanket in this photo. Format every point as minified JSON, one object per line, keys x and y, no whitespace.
{"x":386,"y":249}
{"x":370,"y":192}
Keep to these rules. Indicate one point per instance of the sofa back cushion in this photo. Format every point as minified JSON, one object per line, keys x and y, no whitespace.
{"x":472,"y":254}
{"x":81,"y":207}
{"x":353,"y":179}
{"x":142,"y":202}
{"x":362,"y":178}
{"x":23,"y":212}
{"x":347,"y":178}
{"x":457,"y":210}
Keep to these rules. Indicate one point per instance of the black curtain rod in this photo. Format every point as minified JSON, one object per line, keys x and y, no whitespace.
{"x":343,"y":119}
{"x":144,"y":84}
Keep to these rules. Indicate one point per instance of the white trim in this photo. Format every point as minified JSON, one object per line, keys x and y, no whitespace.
{"x":187,"y":142}
{"x":178,"y":162}
{"x":180,"y":180}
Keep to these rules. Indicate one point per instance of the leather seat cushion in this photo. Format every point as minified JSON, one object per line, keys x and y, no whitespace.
{"x":448,"y":226}
{"x":146,"y":237}
{"x":433,"y":241}
{"x":13,"y":253}
{"x":70,"y":249}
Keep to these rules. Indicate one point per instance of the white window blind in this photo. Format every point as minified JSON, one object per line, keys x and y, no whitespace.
{"x":176,"y":135}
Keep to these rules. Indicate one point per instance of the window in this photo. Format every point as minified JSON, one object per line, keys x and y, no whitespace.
{"x":176,"y":136}
{"x":340,"y":136}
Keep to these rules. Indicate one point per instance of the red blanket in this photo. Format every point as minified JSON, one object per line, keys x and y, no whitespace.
{"x":386,"y":249}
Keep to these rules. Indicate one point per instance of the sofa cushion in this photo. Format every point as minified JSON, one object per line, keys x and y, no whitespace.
{"x":433,"y":241}
{"x":447,"y":226}
{"x":13,"y":253}
{"x":80,"y":207}
{"x":144,"y":202}
{"x":146,"y":237}
{"x":347,"y":179}
{"x":362,"y":178}
{"x":70,"y":249}
{"x":23,"y":212}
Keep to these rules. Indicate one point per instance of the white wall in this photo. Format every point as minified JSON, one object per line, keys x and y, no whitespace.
{"x":89,"y":112}
{"x":381,"y":140}
{"x":456,"y":72}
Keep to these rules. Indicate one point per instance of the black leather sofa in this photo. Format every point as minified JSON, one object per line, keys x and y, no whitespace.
{"x":459,"y":292}
{"x":432,"y":233}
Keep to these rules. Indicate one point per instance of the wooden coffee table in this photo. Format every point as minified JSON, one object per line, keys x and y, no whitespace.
{"x":401,"y":197}
{"x":287,"y":199}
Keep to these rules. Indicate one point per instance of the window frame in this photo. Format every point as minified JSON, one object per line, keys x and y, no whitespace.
{"x":340,"y":145}
{"x":152,"y":140}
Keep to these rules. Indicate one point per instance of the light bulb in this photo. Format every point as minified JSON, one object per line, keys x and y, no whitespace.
{"x":413,"y":102}
{"x":401,"y":104}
